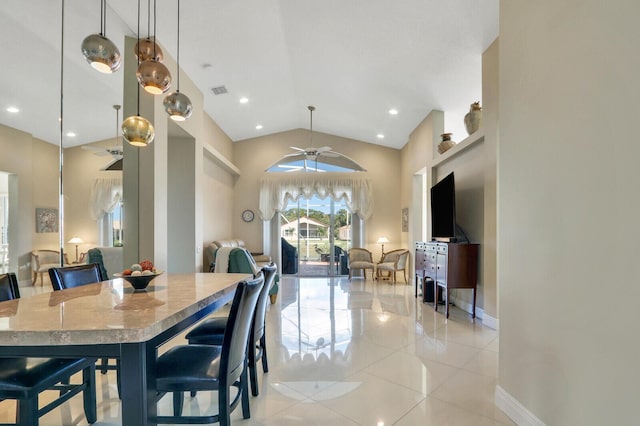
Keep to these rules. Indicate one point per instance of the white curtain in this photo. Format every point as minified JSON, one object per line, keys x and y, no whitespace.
{"x":277,"y":191}
{"x":105,"y":196}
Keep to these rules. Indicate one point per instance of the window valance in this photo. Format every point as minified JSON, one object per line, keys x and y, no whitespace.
{"x":105,"y":196}
{"x":277,"y":191}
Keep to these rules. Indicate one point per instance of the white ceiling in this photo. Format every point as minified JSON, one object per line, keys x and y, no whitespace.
{"x":353,"y":60}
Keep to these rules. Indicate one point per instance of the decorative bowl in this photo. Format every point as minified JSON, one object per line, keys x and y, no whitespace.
{"x":139,"y":282}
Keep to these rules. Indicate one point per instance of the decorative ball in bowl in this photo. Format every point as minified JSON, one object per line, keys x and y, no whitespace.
{"x":139,"y":282}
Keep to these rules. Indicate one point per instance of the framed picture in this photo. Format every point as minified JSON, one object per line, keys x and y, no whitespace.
{"x":46,"y":220}
{"x":405,"y":219}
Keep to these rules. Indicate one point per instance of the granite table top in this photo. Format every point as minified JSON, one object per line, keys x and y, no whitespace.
{"x":110,"y":311}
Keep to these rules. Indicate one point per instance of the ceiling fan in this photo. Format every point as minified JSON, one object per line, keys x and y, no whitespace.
{"x":322,"y":155}
{"x":115,"y":151}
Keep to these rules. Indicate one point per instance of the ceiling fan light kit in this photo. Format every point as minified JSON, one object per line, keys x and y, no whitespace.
{"x":321,"y":155}
{"x":98,"y":50}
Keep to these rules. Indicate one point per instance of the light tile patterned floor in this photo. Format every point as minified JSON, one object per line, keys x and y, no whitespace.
{"x":350,"y":353}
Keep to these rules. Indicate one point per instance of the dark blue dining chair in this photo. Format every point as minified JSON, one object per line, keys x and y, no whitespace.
{"x":74,"y":276}
{"x":23,"y":379}
{"x":211,"y":331}
{"x":189,"y":368}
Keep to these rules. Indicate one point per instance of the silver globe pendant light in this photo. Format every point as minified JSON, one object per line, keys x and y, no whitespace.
{"x":137,"y":130}
{"x":177,"y":104}
{"x":152,"y":75}
{"x":98,"y":50}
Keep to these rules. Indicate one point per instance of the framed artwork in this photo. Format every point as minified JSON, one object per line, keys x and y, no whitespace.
{"x":405,"y":219}
{"x":46,"y":220}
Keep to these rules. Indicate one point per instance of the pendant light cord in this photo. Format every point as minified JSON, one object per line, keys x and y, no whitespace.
{"x":61,"y":152}
{"x":154,"y":30}
{"x":138,"y":44}
{"x":178,"y":48}
{"x":103,"y":18}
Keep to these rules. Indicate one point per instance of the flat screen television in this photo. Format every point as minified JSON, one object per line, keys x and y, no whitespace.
{"x":443,"y":208}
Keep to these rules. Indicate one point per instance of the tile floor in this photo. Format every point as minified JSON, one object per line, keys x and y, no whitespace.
{"x":349,"y":353}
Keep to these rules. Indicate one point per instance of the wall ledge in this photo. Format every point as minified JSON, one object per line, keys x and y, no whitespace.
{"x":469,"y":141}
{"x":514,"y":409}
{"x":221,"y":160}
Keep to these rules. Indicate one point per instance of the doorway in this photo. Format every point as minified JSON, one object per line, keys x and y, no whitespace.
{"x":320,"y":232}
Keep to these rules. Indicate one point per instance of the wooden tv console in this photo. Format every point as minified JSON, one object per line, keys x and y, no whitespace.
{"x":449,"y":265}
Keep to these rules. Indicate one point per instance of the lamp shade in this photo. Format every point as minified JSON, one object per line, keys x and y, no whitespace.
{"x":148,"y":50}
{"x":76,"y":240}
{"x":178,"y":106}
{"x":382,"y":240}
{"x":138,"y":131}
{"x":101,"y":53}
{"x":154,"y":77}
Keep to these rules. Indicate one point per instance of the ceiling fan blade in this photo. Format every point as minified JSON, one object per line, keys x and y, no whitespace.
{"x":297,"y":149}
{"x":324,"y":149}
{"x":331,"y":154}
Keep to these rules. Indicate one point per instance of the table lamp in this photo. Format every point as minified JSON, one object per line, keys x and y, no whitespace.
{"x":381,"y":241}
{"x":76,"y":241}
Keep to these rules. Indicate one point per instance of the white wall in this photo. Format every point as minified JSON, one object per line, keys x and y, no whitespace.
{"x":568,"y":209}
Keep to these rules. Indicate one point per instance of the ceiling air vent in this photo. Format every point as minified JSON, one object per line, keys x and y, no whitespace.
{"x":220,"y":90}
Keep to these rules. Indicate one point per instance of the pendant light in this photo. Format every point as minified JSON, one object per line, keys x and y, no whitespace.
{"x":98,"y":50}
{"x":177,"y":104}
{"x":137,"y":130}
{"x":152,"y":75}
{"x":147,"y":49}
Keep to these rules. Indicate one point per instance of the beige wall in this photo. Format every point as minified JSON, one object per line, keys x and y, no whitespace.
{"x":146,"y":171}
{"x":253,"y":156}
{"x":30,"y":162}
{"x":488,"y":253}
{"x":568,"y":209}
{"x":81,"y":169}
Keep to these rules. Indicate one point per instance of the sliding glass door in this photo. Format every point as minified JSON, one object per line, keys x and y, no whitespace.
{"x":320,"y":231}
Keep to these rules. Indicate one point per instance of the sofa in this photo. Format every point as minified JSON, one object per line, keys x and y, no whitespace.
{"x":238,"y":261}
{"x":211,"y":249}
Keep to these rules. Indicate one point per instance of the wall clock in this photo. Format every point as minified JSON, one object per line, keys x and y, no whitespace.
{"x":247,"y":215}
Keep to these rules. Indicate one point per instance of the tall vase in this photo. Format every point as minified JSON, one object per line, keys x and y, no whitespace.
{"x":473,"y":119}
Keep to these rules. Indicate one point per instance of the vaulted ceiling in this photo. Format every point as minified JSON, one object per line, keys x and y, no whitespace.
{"x":354,"y":60}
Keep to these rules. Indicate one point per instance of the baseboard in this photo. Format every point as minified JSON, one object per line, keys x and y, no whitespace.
{"x":490,"y":321}
{"x":515,"y":410}
{"x":467,"y":307}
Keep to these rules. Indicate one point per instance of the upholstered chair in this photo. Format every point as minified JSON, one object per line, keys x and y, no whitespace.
{"x":211,"y":331}
{"x":189,"y":368}
{"x":42,"y":260}
{"x":393,"y":262}
{"x":23,"y":379}
{"x":360,"y":259}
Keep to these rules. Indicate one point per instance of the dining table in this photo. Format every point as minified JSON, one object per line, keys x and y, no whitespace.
{"x":111,"y":319}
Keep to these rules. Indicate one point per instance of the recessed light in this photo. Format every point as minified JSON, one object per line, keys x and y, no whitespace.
{"x":380,"y":136}
{"x":393,"y":111}
{"x":13,"y":109}
{"x":71,"y":134}
{"x":259,"y":127}
{"x":244,"y":100}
